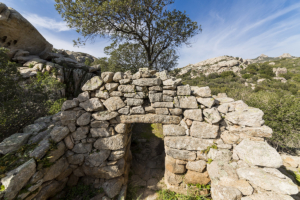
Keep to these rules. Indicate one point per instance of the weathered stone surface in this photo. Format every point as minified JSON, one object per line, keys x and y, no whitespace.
{"x":176,"y":111}
{"x":241,"y":185}
{"x":107,"y":172}
{"x":268,"y":181}
{"x":167,"y":98}
{"x":58,"y":133}
{"x":147,"y":82}
{"x":57,"y":152}
{"x":114,"y":103}
{"x":229,"y":138}
{"x":293,"y":161}
{"x":14,"y":142}
{"x":82,"y":148}
{"x":249,"y":117}
{"x":69,"y":142}
{"x":173,"y":130}
{"x":188,"y":102}
{"x":187,"y":143}
{"x":198,"y":166}
{"x":137,"y":110}
{"x":218,"y":169}
{"x":117,"y":154}
{"x":92,"y":105}
{"x":220,"y":154}
{"x":162,"y":105}
{"x":84,"y":119}
{"x":41,"y":149}
{"x":56,"y":169}
{"x":116,"y":94}
{"x":149,"y":118}
{"x":223,"y":108}
{"x":220,"y":192}
{"x":99,"y":124}
{"x":137,"y":95}
{"x":107,"y":76}
{"x":184,"y":90}
{"x":172,"y":165}
{"x":102,"y":94}
{"x":98,"y":158}
{"x":39,"y":137}
{"x":201,"y":91}
{"x":172,"y":82}
{"x":126,"y":88}
{"x":69,"y":104}
{"x":113,"y":143}
{"x":20,"y":36}
{"x":204,"y":130}
{"x":161,"y":111}
{"x":105,"y":115}
{"x":113,"y":187}
{"x":50,"y":189}
{"x":134,"y":102}
{"x":258,"y":153}
{"x":76,"y":159}
{"x":181,"y":154}
{"x":194,"y":114}
{"x":121,"y":128}
{"x":172,"y":178}
{"x":80,"y":133}
{"x":92,"y":84}
{"x":207,"y":102}
{"x":35,"y":128}
{"x":263,"y":131}
{"x":268,"y":196}
{"x":155,"y":88}
{"x":67,"y":117}
{"x":170,"y":93}
{"x":212,"y":115}
{"x":17,"y":178}
{"x":125,"y":110}
{"x":156,"y":97}
{"x":118,"y":76}
{"x":192,"y":177}
{"x":111,"y":86}
{"x":100,"y":132}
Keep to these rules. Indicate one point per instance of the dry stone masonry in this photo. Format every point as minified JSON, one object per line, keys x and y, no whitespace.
{"x":208,"y":139}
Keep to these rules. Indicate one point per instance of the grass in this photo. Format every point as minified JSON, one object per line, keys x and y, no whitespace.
{"x":148,"y":131}
{"x":170,"y":195}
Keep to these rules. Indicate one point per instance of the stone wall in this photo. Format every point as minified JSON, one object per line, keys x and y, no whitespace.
{"x":208,"y":139}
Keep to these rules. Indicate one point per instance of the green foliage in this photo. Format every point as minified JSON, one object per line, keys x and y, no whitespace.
{"x":227,"y":73}
{"x":22,"y":102}
{"x":266,"y":71}
{"x":170,"y":195}
{"x":2,"y":188}
{"x":209,"y":160}
{"x":208,"y":148}
{"x":84,"y":192}
{"x":152,"y":24}
{"x":247,"y":76}
{"x":55,"y":107}
{"x":87,"y":62}
{"x":252,"y":69}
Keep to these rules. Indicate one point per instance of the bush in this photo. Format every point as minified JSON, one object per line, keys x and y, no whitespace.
{"x":287,"y":76}
{"x":254,"y":78}
{"x":252,"y":69}
{"x":247,"y":76}
{"x":213,"y":76}
{"x":227,"y":73}
{"x":266,"y":71}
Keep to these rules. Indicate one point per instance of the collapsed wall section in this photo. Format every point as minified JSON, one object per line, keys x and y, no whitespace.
{"x":208,"y":140}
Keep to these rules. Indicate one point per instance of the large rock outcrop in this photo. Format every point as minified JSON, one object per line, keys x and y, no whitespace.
{"x":18,"y":34}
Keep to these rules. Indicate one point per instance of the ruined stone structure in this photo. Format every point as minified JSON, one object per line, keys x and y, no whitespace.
{"x":208,"y":139}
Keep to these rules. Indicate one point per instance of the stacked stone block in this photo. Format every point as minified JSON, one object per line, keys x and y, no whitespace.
{"x":208,"y":140}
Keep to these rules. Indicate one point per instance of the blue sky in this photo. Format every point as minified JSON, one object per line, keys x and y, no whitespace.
{"x":244,"y":28}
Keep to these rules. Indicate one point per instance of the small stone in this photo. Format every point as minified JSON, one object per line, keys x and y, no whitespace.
{"x":220,"y":154}
{"x":173,"y":130}
{"x":82,"y":148}
{"x":194,"y":114}
{"x":118,"y":76}
{"x":223,"y":108}
{"x":172,"y":178}
{"x":229,"y":138}
{"x":126,"y":88}
{"x":76,"y":159}
{"x":113,"y":187}
{"x":99,"y":124}
{"x":134,"y":102}
{"x":111,"y":86}
{"x":204,"y":130}
{"x":172,"y":165}
{"x":212,"y":115}
{"x":137,"y":110}
{"x":124,"y":81}
{"x":171,"y":93}
{"x":161,"y":111}
{"x":114,"y":103}
{"x":69,"y":104}
{"x":162,"y":105}
{"x":149,"y":109}
{"x":208,"y":102}
{"x":84,"y":119}
{"x":98,"y":158}
{"x":92,"y":84}
{"x":219,"y":192}
{"x":107,"y":76}
{"x":184,"y":90}
{"x":100,"y":132}
{"x":69,"y":142}
{"x":125,"y":110}
{"x":155,"y":88}
{"x":80,"y":133}
{"x":102,"y":94}
{"x":156,"y":97}
{"x":115,"y":142}
{"x":172,"y":82}
{"x":147,"y":82}
{"x":188,"y":102}
{"x":121,"y":128}
{"x":58,"y":133}
{"x":192,"y":177}
{"x":92,"y":105}
{"x":14,"y":142}
{"x":201,"y":91}
{"x":198,"y":166}
{"x":176,"y":111}
{"x":105,"y":115}
{"x":181,"y":154}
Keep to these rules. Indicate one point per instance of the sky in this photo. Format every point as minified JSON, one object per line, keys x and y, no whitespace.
{"x":239,"y":28}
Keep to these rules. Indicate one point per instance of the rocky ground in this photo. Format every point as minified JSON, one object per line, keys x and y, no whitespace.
{"x":148,"y":158}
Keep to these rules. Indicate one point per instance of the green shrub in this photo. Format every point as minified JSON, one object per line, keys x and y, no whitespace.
{"x":247,"y":76}
{"x":213,"y":76}
{"x":254,"y":78}
{"x":252,"y":69}
{"x":287,"y":76}
{"x":227,"y":73}
{"x":266,"y":71}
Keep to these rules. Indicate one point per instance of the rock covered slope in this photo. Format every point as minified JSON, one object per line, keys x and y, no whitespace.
{"x":225,"y":63}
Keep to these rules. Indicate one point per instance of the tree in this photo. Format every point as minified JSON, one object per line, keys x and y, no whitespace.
{"x":129,"y":56}
{"x":146,"y":22}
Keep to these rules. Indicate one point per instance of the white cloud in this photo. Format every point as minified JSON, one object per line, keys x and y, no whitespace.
{"x":45,"y":22}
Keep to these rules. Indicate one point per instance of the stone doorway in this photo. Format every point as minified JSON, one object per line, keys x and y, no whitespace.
{"x":146,"y":175}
